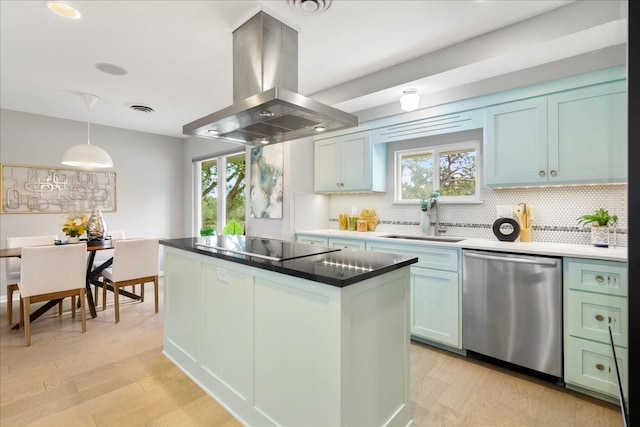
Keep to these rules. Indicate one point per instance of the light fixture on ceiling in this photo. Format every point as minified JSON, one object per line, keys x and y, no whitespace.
{"x":410,"y":100}
{"x":87,"y":156}
{"x":64,"y":10}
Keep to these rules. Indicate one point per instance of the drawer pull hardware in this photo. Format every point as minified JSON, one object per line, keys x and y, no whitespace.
{"x":541,"y":173}
{"x":599,"y":279}
{"x":600,"y":367}
{"x":553,"y":172}
{"x":600,"y":318}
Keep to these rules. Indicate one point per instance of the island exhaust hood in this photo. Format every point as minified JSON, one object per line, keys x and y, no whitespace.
{"x":266,"y":107}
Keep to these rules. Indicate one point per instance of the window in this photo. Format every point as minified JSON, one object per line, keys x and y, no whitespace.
{"x":452,"y":169}
{"x":221,"y":198}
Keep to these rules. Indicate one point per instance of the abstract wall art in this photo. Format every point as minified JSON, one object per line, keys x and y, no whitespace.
{"x":265,"y":188}
{"x":41,"y":189}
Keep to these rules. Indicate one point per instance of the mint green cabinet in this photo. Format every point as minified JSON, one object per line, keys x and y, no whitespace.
{"x":515,"y":143}
{"x":435,"y":291}
{"x":588,"y":134}
{"x":573,"y":137}
{"x":595,"y":299}
{"x":349,"y":163}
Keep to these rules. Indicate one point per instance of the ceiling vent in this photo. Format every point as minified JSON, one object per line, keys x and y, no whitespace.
{"x":309,"y":7}
{"x":141,"y":108}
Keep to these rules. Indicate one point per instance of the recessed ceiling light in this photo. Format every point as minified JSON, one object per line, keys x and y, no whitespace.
{"x":111,"y":69}
{"x":63,"y":10}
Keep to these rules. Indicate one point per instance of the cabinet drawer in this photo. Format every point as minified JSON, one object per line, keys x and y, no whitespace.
{"x":358,"y":245}
{"x":590,"y":364}
{"x":604,"y":277}
{"x":428,"y":256}
{"x":589,"y":316}
{"x":312,"y":240}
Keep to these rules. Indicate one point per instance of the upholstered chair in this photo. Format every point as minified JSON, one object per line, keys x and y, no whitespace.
{"x":104,"y":255}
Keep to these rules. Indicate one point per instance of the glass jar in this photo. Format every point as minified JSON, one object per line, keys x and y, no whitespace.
{"x":343,"y":221}
{"x":353,"y":223}
{"x":362,"y":225}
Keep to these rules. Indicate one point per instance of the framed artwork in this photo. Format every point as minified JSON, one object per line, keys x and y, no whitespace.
{"x":265,"y":187}
{"x":41,"y":189}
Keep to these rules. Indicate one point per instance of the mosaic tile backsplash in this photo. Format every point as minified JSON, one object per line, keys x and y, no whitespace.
{"x":555,"y":210}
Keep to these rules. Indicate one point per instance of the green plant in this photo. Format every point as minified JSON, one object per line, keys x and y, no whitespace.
{"x":207,"y":231}
{"x":233,"y":227}
{"x":600,"y":218}
{"x":430,"y":202}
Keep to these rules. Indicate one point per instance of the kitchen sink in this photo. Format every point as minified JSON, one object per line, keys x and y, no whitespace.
{"x":425,"y":238}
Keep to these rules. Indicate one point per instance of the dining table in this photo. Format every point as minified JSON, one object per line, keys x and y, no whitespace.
{"x":92,"y":277}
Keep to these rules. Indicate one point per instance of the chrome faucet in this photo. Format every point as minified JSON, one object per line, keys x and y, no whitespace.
{"x":438,"y":228}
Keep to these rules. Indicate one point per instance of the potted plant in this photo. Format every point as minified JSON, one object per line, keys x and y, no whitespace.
{"x":600,"y":222}
{"x":74,"y":226}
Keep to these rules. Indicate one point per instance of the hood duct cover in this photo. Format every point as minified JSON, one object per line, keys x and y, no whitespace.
{"x":266,"y":107}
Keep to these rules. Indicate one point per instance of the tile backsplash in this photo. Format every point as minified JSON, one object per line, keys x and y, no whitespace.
{"x":555,"y":210}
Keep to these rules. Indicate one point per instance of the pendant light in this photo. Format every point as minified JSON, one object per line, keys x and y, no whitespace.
{"x":87,"y":156}
{"x":410,"y":100}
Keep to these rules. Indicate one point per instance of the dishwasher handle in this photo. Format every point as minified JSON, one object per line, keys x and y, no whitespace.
{"x":536,"y":261}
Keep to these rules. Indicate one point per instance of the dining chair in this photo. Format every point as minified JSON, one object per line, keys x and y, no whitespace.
{"x":104,"y":255}
{"x":52,"y":272}
{"x":13,"y":266}
{"x":134,"y":262}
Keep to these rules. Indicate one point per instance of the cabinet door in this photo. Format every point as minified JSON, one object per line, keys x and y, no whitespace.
{"x":515,"y":143}
{"x":588,"y":134}
{"x":355,"y":163}
{"x":326,"y":165}
{"x":434,"y":305}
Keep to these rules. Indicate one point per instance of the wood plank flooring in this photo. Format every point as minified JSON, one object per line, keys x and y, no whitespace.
{"x":116,"y":375}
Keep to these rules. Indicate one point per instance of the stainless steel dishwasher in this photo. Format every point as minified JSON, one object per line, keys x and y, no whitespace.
{"x":512,"y":309}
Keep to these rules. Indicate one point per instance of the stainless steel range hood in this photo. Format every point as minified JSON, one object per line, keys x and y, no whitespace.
{"x":266,"y":107}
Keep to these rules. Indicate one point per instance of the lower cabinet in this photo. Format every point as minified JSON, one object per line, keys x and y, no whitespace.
{"x":595,"y":303}
{"x":312,"y":239}
{"x":353,"y":244}
{"x":435,"y":291}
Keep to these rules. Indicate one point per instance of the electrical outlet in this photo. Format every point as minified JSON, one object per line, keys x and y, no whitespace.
{"x":504,"y":211}
{"x":223,"y":274}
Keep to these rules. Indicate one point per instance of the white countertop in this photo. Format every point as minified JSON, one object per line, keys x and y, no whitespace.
{"x":538,"y":248}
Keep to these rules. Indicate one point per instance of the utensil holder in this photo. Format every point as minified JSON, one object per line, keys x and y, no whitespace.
{"x":525,"y":234}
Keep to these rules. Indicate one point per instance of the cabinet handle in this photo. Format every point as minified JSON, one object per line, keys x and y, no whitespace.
{"x":553,"y":172}
{"x":599,"y":366}
{"x":600,"y":318}
{"x":599,"y":279}
{"x":610,"y":319}
{"x":542,"y":174}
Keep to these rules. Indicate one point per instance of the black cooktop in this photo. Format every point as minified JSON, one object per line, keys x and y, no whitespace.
{"x":269,"y":249}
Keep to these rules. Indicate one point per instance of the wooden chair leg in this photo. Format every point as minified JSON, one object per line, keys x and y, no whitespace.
{"x":27,"y":322}
{"x":21,"y":314}
{"x":73,"y":306}
{"x":141,"y":292}
{"x":83,"y":314}
{"x":116,"y":302}
{"x":10,"y":290}
{"x":104,"y":295}
{"x":155,"y":288}
{"x":60,"y":308}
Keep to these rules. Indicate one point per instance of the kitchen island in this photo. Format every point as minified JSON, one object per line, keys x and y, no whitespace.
{"x":291,"y":334}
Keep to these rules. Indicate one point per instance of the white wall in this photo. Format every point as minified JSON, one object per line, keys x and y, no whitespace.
{"x":148,"y":175}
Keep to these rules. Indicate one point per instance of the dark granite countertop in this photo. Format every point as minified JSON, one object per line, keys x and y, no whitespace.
{"x":332,"y":267}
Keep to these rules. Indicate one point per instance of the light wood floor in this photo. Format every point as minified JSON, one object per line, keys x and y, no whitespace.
{"x":116,"y":375}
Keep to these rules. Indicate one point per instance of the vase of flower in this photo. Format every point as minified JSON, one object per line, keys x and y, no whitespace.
{"x":96,"y":226}
{"x":74,"y":226}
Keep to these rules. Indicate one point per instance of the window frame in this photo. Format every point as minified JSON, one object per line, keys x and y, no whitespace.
{"x":435,"y":151}
{"x":221,"y":159}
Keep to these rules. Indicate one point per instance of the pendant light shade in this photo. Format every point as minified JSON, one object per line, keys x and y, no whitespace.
{"x":87,"y":156}
{"x":409,"y":100}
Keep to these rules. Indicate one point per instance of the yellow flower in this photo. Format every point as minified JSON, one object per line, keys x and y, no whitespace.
{"x":75,"y":225}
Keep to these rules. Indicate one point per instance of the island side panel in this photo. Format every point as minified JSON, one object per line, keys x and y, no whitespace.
{"x":182,"y":308}
{"x":376,"y":349}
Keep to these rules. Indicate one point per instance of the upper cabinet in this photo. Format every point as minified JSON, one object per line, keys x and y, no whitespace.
{"x":349,"y":163}
{"x":571,"y":137}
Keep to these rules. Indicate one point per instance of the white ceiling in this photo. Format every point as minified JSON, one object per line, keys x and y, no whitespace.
{"x":357,"y":55}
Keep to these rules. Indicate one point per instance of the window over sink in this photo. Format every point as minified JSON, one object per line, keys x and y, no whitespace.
{"x":452,"y":169}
